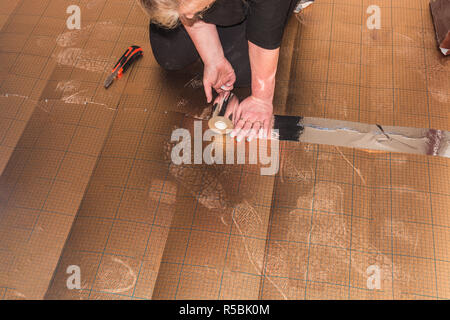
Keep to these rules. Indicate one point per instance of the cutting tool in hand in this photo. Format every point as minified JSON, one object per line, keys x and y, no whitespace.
{"x":218,"y":122}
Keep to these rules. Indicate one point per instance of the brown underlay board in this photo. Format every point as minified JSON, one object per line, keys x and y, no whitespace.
{"x":86,"y":178}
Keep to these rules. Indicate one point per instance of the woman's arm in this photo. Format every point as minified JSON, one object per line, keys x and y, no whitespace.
{"x":206,"y":40}
{"x":264,"y":65}
{"x":218,"y":71}
{"x":256,"y":112}
{"x":265,"y":25}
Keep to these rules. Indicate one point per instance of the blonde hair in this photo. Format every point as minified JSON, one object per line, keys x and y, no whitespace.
{"x":165,"y":12}
{"x":162,"y":12}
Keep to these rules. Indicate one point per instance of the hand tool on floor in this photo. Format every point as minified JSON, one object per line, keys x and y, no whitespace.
{"x":132,"y":54}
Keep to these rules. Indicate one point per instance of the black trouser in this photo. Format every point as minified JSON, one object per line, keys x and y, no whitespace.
{"x":174,"y":50}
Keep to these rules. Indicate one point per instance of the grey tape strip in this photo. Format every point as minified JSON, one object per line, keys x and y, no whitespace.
{"x":376,"y":137}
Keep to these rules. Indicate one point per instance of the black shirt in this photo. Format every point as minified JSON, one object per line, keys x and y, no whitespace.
{"x":266,"y":19}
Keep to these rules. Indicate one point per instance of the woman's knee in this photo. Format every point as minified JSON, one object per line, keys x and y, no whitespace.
{"x":172,"y":48}
{"x":170,"y":64}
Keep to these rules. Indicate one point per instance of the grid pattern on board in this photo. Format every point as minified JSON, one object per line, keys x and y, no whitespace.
{"x":90,"y":166}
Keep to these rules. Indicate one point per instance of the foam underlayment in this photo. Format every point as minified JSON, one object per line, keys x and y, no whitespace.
{"x":85,"y":177}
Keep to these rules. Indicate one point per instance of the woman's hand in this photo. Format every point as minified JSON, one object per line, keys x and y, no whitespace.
{"x":218,"y":74}
{"x":252,"y":117}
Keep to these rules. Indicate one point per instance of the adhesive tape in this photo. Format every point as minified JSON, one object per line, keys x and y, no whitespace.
{"x":220,"y":125}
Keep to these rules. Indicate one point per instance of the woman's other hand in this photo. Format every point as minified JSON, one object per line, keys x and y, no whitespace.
{"x":253,"y":117}
{"x":256,"y":112}
{"x":218,"y":74}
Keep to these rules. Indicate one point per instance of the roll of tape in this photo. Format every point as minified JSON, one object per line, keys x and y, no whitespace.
{"x":220,"y":125}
